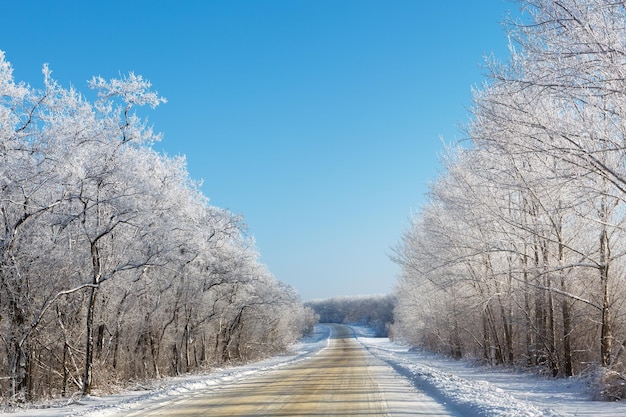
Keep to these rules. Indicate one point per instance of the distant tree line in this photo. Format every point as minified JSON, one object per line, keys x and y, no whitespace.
{"x":113,"y":265}
{"x":373,"y":311}
{"x":518,"y":256}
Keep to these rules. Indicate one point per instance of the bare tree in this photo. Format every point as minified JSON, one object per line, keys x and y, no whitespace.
{"x":113,"y":264}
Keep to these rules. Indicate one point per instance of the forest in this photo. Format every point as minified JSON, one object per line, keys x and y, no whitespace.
{"x":114,"y":267}
{"x":518,"y":256}
{"x":373,"y":311}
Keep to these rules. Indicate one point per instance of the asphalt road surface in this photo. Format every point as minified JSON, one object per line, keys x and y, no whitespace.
{"x":341,"y":380}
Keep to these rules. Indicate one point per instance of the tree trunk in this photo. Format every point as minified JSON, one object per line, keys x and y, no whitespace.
{"x":155,"y":347}
{"x":605,"y":332}
{"x":65,"y":370}
{"x":552,"y":350}
{"x":89,"y":342}
{"x":486,"y":340}
{"x":567,"y":338}
{"x":540,"y":326}
{"x":17,"y":354}
{"x":566,"y":312}
{"x":605,"y":255}
{"x":529,"y":340}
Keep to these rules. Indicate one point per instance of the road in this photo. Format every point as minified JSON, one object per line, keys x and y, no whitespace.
{"x":341,"y":380}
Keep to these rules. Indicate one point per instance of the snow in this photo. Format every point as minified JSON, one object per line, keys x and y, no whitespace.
{"x":471,"y":390}
{"x":478,"y":391}
{"x":168,"y":388}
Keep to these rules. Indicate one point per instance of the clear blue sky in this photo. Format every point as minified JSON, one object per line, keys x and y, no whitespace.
{"x":319,"y":121}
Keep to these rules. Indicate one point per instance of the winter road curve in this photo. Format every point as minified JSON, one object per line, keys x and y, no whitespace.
{"x":341,"y":380}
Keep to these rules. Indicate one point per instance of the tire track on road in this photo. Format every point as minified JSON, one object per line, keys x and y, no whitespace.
{"x":342,"y":380}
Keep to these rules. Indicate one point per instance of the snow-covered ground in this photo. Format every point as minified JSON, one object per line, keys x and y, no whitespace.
{"x":477,"y":391}
{"x":473,"y":391}
{"x":102,"y":406}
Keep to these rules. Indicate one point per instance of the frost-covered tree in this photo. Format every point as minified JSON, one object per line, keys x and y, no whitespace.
{"x":113,"y":264}
{"x":375,"y":311}
{"x":524,"y":230}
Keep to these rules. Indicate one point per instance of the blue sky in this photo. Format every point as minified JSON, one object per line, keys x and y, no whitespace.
{"x":319,"y":121}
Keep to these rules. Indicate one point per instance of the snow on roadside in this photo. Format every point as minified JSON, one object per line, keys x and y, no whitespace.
{"x":476,"y":398}
{"x":92,"y":406}
{"x":471,"y":390}
{"x":479,"y":391}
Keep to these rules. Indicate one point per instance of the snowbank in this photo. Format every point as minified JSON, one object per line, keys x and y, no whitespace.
{"x":479,"y":391}
{"x":473,"y":391}
{"x":168,"y":388}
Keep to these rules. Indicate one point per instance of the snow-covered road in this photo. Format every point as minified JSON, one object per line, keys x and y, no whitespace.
{"x":422,"y":380}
